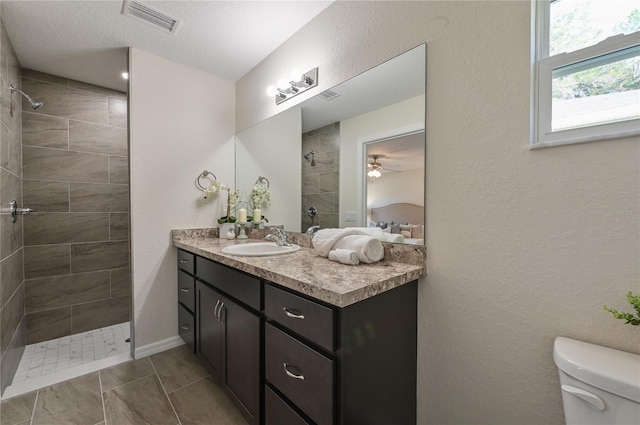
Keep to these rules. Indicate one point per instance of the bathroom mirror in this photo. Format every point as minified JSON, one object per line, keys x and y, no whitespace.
{"x":317,"y":155}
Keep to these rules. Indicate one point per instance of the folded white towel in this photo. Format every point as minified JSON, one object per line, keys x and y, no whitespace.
{"x":324,"y":239}
{"x":344,"y":256}
{"x":368,"y":248}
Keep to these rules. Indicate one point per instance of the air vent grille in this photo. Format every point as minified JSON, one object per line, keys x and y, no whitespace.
{"x":148,"y":14}
{"x":329,"y":95}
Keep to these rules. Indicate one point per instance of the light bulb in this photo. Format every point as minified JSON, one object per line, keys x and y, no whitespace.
{"x":125,"y":75}
{"x":283,"y":84}
{"x":272,"y":90}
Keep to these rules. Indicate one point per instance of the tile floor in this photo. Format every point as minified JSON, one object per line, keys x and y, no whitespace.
{"x":48,"y":357}
{"x":167,"y":388}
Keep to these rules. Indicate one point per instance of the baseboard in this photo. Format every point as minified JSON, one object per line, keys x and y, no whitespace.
{"x":158,"y":347}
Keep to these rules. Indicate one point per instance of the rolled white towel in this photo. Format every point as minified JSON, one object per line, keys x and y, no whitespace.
{"x":368,"y":248}
{"x":344,"y":256}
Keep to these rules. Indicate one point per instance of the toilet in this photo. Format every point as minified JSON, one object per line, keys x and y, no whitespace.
{"x":599,"y":385}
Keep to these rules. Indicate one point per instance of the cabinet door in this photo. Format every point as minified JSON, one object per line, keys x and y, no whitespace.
{"x":209,"y":329}
{"x":242,"y":358}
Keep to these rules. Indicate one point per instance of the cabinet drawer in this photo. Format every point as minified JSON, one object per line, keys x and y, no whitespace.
{"x":307,"y":318}
{"x":239,"y":285}
{"x":278,"y":412}
{"x":186,"y":327}
{"x":186,"y":290}
{"x":186,"y":261}
{"x":303,"y":375}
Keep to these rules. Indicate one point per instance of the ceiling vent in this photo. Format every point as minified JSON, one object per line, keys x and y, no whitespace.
{"x":329,"y":95}
{"x":148,"y":14}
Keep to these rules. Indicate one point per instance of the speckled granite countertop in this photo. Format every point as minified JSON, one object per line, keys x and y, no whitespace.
{"x":307,"y":272}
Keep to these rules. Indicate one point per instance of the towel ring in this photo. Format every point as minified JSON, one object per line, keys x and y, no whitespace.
{"x":204,"y":174}
{"x":262,"y":180}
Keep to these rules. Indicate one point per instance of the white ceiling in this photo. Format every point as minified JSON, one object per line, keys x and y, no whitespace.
{"x":87,"y":40}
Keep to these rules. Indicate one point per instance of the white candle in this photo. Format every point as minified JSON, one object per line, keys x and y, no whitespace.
{"x":242,"y":215}
{"x":257,"y":214}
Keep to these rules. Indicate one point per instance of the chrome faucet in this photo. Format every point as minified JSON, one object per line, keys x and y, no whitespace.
{"x":312,"y":229}
{"x":279,"y":237}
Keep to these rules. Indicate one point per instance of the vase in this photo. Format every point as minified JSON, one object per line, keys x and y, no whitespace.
{"x":224,"y":229}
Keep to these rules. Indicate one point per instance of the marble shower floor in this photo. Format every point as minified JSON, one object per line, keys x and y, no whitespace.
{"x":166,"y":388}
{"x":59,"y":359}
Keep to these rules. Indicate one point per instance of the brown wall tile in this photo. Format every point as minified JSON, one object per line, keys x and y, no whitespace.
{"x":10,"y":318}
{"x":11,"y":275}
{"x":120,"y":283}
{"x":118,"y":111}
{"x":98,"y":138}
{"x":11,"y":112}
{"x":53,"y":164}
{"x":45,"y":131}
{"x":94,"y":89}
{"x":42,"y":76}
{"x":60,"y":291}
{"x":118,"y":227}
{"x":10,"y":233}
{"x":118,"y":170}
{"x":100,"y":313}
{"x":93,"y":197}
{"x":48,"y":324}
{"x":46,"y":196}
{"x":10,"y":152}
{"x":47,"y":260}
{"x":11,"y":359}
{"x":67,"y":102}
{"x":58,"y":228}
{"x":87,"y":257}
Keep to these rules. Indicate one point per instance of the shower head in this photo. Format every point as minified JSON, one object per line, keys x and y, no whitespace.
{"x":309,"y":156}
{"x":35,"y":104}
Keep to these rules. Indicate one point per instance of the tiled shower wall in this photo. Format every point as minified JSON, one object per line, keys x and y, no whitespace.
{"x":76,"y":246}
{"x":12,"y":292}
{"x":320,"y":182}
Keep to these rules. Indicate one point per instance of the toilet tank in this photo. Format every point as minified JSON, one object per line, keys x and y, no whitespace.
{"x":599,"y":385}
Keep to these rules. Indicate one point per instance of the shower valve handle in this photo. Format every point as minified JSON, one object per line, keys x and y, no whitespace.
{"x":15,"y":211}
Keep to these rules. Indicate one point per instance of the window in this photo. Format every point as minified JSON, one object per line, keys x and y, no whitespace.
{"x":587,"y":76}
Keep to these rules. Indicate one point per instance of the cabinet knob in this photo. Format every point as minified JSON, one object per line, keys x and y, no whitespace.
{"x":184,"y":327}
{"x":184,"y":289}
{"x":184,"y":261}
{"x":292,"y":314}
{"x":291,"y":374}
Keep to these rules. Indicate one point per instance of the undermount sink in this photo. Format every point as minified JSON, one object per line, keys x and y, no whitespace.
{"x":259,"y":249}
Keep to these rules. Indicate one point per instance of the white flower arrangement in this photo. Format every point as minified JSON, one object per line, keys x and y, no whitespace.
{"x":260,"y":194}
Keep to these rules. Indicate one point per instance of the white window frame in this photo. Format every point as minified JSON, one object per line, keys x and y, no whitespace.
{"x":617,"y":48}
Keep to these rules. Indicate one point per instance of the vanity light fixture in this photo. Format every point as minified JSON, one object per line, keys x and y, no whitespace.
{"x":287,"y":90}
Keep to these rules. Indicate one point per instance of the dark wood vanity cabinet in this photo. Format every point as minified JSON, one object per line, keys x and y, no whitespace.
{"x":186,"y":299}
{"x":287,"y":359}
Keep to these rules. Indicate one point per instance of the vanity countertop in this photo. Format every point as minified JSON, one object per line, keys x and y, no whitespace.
{"x":309,"y":273}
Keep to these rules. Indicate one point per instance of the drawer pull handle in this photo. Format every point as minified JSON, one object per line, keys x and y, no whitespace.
{"x":184,"y":327}
{"x":292,"y":315}
{"x":184,"y":289}
{"x":184,"y":261}
{"x":292,"y":375}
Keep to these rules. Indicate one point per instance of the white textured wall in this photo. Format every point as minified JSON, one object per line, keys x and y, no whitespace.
{"x":521,"y":246}
{"x":182,"y":122}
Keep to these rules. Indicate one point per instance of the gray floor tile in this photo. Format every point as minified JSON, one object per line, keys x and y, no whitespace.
{"x":124,"y":373}
{"x":204,"y":403}
{"x":77,"y":401}
{"x":177,"y":368}
{"x":139,"y":402}
{"x":18,"y":409}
